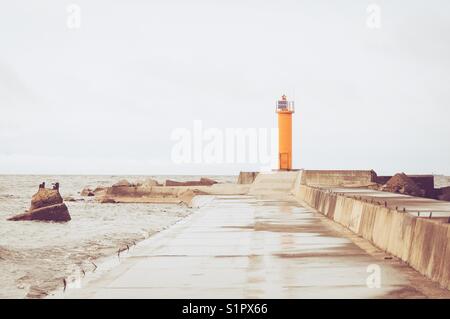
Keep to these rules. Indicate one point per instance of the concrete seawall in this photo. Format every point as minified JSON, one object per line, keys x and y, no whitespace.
{"x":338,"y":178}
{"x":421,"y":242}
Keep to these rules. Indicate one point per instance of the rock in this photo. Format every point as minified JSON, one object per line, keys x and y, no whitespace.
{"x":119,"y":189}
{"x":87,"y":192}
{"x":149,"y":182}
{"x":46,"y":205}
{"x":122,"y":182}
{"x":401,"y":183}
{"x":107,"y":200}
{"x":207,"y":181}
{"x":99,"y":189}
{"x":53,"y":213}
{"x":201,"y":182}
{"x":45,"y":197}
{"x":69,"y":199}
{"x":170,"y":182}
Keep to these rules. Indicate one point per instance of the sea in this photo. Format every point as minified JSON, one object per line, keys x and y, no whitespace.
{"x":37,"y":257}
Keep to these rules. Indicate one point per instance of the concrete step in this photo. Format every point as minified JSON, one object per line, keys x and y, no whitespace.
{"x":273,"y":182}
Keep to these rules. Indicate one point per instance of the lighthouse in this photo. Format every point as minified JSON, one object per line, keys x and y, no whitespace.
{"x":285,"y":108}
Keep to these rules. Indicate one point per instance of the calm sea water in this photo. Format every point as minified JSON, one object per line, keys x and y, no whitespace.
{"x":35,"y":257}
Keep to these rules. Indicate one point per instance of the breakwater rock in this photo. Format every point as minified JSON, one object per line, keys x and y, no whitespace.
{"x":46,"y":205}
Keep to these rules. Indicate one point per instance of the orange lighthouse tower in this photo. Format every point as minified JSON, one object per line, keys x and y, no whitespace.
{"x":285,"y":109}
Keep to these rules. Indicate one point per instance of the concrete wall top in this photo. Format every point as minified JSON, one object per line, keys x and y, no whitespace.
{"x":333,"y":178}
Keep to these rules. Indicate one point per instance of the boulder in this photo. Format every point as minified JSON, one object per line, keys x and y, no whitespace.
{"x":202,"y":182}
{"x":99,"y":190}
{"x":69,"y":199}
{"x":107,"y":200}
{"x":46,"y":205}
{"x":122,"y":190}
{"x":207,"y":181}
{"x":403,"y":184}
{"x":170,"y":182}
{"x":45,"y":197}
{"x":87,"y":192}
{"x":122,"y":183}
{"x":53,"y":213}
{"x":149,"y":182}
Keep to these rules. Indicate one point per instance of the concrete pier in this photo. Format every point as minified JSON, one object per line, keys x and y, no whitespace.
{"x":258,"y":246}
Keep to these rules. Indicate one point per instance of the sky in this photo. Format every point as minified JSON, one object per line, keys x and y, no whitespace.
{"x":104,"y":94}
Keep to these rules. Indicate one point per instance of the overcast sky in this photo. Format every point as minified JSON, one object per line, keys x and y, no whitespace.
{"x":105,"y":98}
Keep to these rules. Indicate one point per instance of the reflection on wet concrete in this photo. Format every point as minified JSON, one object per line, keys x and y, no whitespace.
{"x":250,"y":247}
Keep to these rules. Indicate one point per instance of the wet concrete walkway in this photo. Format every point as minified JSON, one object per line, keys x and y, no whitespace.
{"x":245,"y":247}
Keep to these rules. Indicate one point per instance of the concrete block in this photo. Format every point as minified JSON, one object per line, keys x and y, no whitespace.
{"x":382,"y":227}
{"x":429,"y":248}
{"x":401,"y":235}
